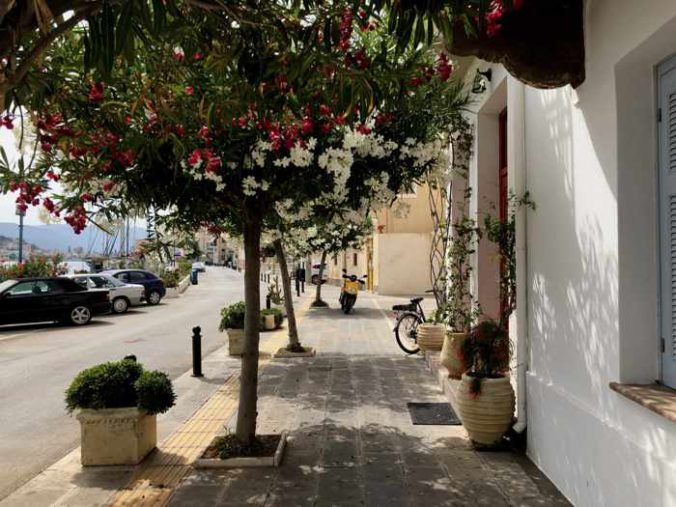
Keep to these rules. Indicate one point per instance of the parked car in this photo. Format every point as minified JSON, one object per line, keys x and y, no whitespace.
{"x":50,"y":299}
{"x":199,"y":266}
{"x":122,"y":295}
{"x":73,"y":267}
{"x":154,"y":286}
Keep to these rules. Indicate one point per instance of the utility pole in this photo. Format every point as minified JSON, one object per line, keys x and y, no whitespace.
{"x":21,"y":214}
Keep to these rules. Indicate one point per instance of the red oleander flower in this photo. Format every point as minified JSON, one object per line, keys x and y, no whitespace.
{"x":96,"y":92}
{"x":195,"y":158}
{"x":324,"y":110}
{"x":326,"y":127}
{"x":307,"y":126}
{"x":189,"y":90}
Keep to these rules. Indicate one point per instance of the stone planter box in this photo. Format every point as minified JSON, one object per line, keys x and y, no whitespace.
{"x":184,"y":284}
{"x":269,"y":461}
{"x":283,"y":353}
{"x":116,"y":436}
{"x":235,"y":341}
{"x":172,"y":293}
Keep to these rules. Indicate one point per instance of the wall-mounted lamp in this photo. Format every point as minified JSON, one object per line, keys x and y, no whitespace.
{"x":480,"y":79}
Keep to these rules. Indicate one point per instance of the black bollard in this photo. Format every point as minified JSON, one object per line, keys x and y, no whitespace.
{"x":297,"y":287}
{"x":268,"y":303}
{"x":197,"y":352}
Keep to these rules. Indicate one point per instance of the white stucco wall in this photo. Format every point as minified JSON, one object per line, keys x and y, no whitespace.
{"x":591,"y":263}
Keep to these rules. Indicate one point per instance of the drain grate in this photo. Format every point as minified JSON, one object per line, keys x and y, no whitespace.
{"x":439,"y":414}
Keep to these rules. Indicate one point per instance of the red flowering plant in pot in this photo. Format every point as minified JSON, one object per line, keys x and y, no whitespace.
{"x":485,"y":396}
{"x":218,"y":125}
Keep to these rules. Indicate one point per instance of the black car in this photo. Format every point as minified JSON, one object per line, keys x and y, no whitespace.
{"x":50,"y":299}
{"x":155,"y":290}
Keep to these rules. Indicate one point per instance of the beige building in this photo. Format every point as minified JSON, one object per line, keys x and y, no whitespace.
{"x":397,"y":255}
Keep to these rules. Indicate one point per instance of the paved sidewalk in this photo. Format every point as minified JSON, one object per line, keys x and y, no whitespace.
{"x":352,"y":442}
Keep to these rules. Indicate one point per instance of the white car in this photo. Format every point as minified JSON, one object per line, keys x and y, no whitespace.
{"x":122,"y":295}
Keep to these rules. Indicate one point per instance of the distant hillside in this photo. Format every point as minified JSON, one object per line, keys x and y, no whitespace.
{"x":60,"y":237}
{"x":10,"y":243}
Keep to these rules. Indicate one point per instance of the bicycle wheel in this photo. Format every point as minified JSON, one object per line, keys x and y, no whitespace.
{"x":406,"y":332}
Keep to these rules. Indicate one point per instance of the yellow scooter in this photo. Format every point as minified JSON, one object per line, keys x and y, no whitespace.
{"x":348,"y":294}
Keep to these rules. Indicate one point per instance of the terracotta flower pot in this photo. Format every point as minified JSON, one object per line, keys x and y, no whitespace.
{"x":488,"y":415}
{"x":431,"y":336}
{"x":450,"y":356}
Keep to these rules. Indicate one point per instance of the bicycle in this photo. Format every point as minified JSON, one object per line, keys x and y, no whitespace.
{"x":409,"y":317}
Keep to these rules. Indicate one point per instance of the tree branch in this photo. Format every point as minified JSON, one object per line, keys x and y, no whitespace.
{"x":47,"y":40}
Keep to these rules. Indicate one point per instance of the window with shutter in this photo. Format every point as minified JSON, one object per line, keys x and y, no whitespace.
{"x":667,"y":196}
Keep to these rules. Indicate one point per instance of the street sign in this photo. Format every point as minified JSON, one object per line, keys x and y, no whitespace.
{"x":20,"y":212}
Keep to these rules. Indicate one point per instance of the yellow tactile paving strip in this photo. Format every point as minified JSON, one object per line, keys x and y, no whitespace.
{"x":156,"y":478}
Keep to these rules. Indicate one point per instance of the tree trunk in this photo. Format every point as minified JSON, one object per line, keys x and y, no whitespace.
{"x":248,"y":388}
{"x":318,"y":295}
{"x":294,"y":342}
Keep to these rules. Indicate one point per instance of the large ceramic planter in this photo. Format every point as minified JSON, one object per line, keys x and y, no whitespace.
{"x":235,"y":342}
{"x":488,"y":415}
{"x":116,"y":436}
{"x":450,"y":356}
{"x":269,"y":322}
{"x":431,"y":336}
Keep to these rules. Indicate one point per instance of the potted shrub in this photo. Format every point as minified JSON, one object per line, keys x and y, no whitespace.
{"x":271,"y":318}
{"x":232,"y":322}
{"x":461,"y":309}
{"x":485,"y":396}
{"x":117,"y":403}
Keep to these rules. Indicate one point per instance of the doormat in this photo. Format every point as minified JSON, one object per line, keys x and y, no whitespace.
{"x":439,"y":414}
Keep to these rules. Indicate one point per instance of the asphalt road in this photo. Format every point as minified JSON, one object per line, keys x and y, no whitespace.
{"x":38,"y":362}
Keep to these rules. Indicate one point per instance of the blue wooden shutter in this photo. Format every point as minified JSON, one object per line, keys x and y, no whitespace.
{"x":667,"y":196}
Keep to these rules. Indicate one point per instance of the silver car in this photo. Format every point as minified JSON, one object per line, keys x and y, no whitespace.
{"x":122,"y":295}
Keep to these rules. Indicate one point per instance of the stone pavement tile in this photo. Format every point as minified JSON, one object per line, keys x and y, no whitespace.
{"x":196,"y":496}
{"x":481,"y":492}
{"x":340,"y":486}
{"x":423,"y":458}
{"x":383,"y":470}
{"x":209,"y":477}
{"x":384,"y":493}
{"x":464,"y":465}
{"x":34,"y":497}
{"x":288,"y":498}
{"x":340,"y":454}
{"x":248,"y":485}
{"x":431,"y":486}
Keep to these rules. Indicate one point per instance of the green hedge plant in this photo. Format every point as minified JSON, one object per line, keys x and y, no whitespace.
{"x":120,"y":384}
{"x":232,"y":317}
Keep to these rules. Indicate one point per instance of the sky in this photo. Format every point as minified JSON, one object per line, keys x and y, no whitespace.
{"x":7,"y":201}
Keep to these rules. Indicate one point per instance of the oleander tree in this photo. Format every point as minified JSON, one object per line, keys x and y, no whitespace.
{"x":332,"y":234}
{"x":539,"y":41}
{"x":222,"y":120}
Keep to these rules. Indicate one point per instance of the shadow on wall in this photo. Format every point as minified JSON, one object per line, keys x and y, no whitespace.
{"x":573,"y":303}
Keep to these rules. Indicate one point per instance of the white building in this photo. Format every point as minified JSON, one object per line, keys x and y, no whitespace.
{"x":597,"y":258}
